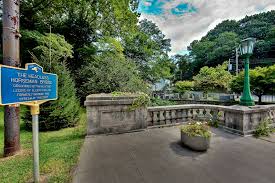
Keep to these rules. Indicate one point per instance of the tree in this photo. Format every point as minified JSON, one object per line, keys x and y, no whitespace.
{"x":110,"y":72}
{"x":224,"y":44}
{"x":183,"y":68}
{"x":224,"y":26}
{"x":184,"y":86}
{"x":82,"y":22}
{"x":89,"y":26}
{"x":212,"y":53}
{"x":148,"y":48}
{"x":151,"y":29}
{"x":262,"y":81}
{"x":255,"y":28}
{"x":200,"y":51}
{"x":161,"y":69}
{"x":219,"y":43}
{"x":213,"y":78}
{"x":262,"y":48}
{"x":63,"y":112}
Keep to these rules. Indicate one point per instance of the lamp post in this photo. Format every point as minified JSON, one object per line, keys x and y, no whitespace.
{"x":246,"y":50}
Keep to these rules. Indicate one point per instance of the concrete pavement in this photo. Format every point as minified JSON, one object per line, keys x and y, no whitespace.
{"x":156,"y":156}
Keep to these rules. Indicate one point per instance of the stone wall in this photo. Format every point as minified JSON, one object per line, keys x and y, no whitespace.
{"x":111,"y":114}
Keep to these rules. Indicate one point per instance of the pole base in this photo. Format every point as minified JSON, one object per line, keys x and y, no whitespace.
{"x":247,"y":102}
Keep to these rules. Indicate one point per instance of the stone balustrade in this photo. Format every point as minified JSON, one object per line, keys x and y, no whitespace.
{"x":236,"y":119}
{"x":113,"y":114}
{"x":184,"y":113}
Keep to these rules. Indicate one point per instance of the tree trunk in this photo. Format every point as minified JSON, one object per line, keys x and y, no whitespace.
{"x":260,"y":99}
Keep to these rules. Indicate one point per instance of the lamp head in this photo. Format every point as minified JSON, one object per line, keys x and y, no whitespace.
{"x":247,"y":46}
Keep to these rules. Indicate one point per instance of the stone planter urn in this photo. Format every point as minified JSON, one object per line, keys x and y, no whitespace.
{"x":196,"y":135}
{"x":196,"y":143}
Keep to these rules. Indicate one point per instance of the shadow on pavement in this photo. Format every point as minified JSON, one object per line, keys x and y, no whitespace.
{"x":182,"y":150}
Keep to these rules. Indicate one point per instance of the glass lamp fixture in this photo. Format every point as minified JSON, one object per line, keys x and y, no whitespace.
{"x":247,"y":46}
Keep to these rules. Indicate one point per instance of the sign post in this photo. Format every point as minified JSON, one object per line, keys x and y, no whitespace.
{"x":35,"y":109}
{"x":31,"y":87}
{"x":35,"y":144}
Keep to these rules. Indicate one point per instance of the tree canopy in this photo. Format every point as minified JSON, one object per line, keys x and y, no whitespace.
{"x":262,"y":81}
{"x":95,"y":46}
{"x":219,"y":43}
{"x":97,"y":29}
{"x":213,"y":78}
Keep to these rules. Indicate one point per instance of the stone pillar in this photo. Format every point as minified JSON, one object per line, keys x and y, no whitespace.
{"x":244,"y":120}
{"x":113,"y":114}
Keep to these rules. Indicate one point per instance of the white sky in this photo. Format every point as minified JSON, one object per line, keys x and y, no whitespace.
{"x":183,"y":29}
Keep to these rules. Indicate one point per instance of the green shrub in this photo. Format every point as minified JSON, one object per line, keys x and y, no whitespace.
{"x":107,"y":73}
{"x":213,"y":122}
{"x":63,"y":112}
{"x":263,"y":129}
{"x":184,"y":86}
{"x":213,"y":78}
{"x":142,"y":100}
{"x":197,"y":129}
{"x":154,"y":101}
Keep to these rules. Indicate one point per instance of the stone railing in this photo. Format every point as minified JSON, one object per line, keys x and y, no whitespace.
{"x":236,"y":119}
{"x":165,"y":115}
{"x":113,"y":114}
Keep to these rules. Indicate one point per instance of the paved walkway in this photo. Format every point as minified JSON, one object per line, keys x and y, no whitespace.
{"x":156,"y":156}
{"x":271,"y":138}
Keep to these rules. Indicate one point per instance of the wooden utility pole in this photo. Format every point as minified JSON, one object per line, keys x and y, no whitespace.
{"x":11,"y":53}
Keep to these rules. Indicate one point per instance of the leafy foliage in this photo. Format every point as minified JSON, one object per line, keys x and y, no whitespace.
{"x":154,"y":101}
{"x":263,"y":129}
{"x":262,"y":81}
{"x":184,"y":86}
{"x":109,"y":73}
{"x":183,"y":67}
{"x":95,"y":29}
{"x":213,"y":122}
{"x":46,"y":44}
{"x":197,"y":129}
{"x":141,"y":100}
{"x":63,"y":112}
{"x":213,"y":78}
{"x":219,"y":43}
{"x":105,"y":39}
{"x":149,"y":48}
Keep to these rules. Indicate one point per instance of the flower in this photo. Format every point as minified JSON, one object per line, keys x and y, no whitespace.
{"x":196,"y":129}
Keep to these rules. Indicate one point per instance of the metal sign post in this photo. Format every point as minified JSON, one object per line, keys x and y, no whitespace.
{"x":35,"y":147}
{"x":35,"y":110}
{"x":31,"y":87}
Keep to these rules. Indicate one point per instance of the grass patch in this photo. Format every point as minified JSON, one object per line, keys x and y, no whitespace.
{"x":59,"y":152}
